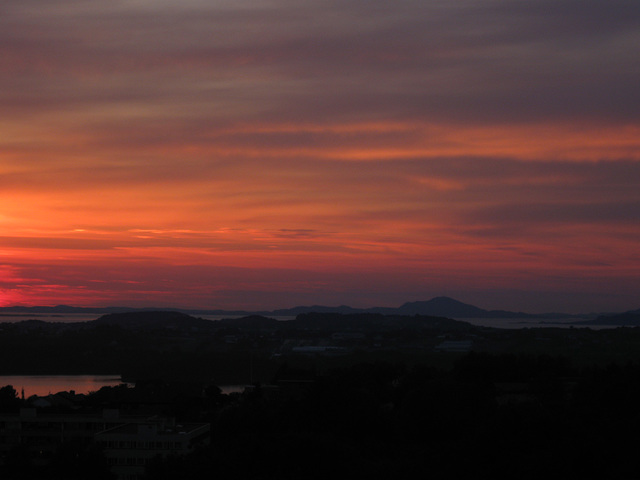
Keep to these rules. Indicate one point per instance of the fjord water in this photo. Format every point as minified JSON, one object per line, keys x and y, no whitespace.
{"x":43,"y":385}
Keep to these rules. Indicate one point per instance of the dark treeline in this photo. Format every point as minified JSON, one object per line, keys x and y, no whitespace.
{"x":107,"y":349}
{"x":500,"y":415}
{"x":523,"y":404}
{"x":515,"y":416}
{"x":171,"y":345}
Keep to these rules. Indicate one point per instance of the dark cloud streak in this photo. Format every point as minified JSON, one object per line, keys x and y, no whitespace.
{"x":477,"y":60}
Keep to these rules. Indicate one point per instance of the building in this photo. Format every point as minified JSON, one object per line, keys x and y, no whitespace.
{"x":43,"y":432}
{"x":128,"y":441}
{"x":129,"y":447}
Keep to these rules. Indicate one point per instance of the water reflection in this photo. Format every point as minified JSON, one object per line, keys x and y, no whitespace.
{"x":43,"y":385}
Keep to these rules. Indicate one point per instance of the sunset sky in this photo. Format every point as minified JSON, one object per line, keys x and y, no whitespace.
{"x":270,"y":153}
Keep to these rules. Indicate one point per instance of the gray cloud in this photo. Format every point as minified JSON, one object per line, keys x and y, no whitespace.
{"x":469,"y":61}
{"x":201,"y":115}
{"x":557,"y":214}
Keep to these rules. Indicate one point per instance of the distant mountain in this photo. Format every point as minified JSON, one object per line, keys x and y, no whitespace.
{"x":316,"y":321}
{"x":448,"y":307}
{"x":374,"y":322}
{"x":251,"y":322}
{"x":438,"y":306}
{"x":292,"y":312}
{"x":629,"y":319}
{"x":156,"y":319}
{"x":442,"y":307}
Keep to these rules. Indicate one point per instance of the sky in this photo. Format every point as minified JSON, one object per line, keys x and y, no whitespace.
{"x":259,"y":154}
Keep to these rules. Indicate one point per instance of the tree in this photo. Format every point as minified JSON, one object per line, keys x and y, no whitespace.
{"x":8,"y":398}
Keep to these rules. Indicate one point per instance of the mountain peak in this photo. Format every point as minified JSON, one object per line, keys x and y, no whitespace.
{"x":442,"y":307}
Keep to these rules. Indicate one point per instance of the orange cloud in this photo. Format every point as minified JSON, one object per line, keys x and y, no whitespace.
{"x":195,"y":151}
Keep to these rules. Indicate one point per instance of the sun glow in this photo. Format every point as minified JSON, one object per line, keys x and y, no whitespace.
{"x":141,"y":163}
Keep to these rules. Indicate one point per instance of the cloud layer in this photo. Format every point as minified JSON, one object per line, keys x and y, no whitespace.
{"x":267,"y":153}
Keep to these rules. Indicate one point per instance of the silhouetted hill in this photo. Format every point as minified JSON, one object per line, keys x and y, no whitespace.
{"x":451,"y":308}
{"x":318,"y":321}
{"x":373,"y":322}
{"x":253,"y":322}
{"x":630,"y":318}
{"x":285,"y":312}
{"x":442,"y":306}
{"x":152,"y":319}
{"x":438,"y":306}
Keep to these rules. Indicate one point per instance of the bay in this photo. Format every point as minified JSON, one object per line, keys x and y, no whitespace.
{"x":43,"y":385}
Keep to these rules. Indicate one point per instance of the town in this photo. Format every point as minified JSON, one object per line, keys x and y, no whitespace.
{"x":370,"y":391}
